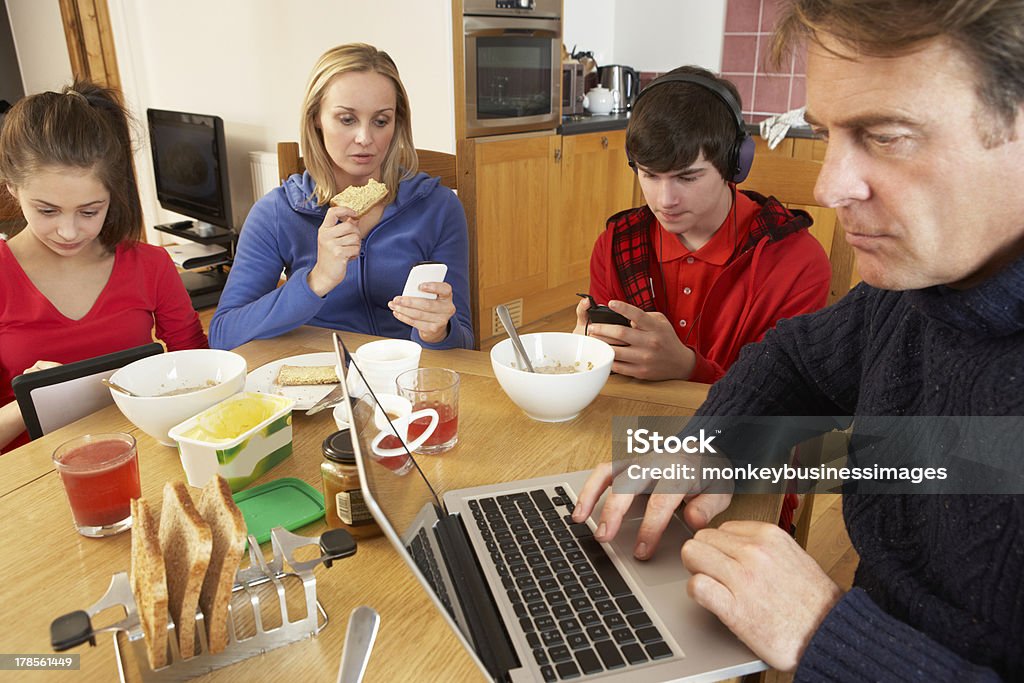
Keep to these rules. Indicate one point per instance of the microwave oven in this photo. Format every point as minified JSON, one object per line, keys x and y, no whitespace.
{"x":572,"y":88}
{"x":512,"y":55}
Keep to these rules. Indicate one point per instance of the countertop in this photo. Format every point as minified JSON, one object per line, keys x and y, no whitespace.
{"x":596,"y":123}
{"x":592,"y":123}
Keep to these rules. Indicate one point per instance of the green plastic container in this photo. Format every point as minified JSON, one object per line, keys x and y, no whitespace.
{"x":288,"y":502}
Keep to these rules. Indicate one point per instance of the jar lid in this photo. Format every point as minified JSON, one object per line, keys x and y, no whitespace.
{"x":338,"y":447}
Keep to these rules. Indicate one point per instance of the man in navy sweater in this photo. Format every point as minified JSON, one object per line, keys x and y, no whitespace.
{"x":921,"y":104}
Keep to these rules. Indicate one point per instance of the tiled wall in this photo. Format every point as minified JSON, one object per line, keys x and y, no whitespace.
{"x":748,"y":26}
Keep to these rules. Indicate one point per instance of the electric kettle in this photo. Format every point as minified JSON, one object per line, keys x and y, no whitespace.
{"x":621,"y":79}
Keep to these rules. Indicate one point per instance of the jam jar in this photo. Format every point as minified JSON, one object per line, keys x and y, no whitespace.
{"x":342,"y":496}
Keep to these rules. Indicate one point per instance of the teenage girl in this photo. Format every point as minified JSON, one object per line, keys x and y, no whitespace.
{"x":76,"y":281}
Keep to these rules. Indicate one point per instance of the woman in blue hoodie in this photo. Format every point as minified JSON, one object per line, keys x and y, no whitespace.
{"x":346,"y":272}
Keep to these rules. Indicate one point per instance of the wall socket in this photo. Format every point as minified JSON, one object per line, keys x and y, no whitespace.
{"x":515,"y":310}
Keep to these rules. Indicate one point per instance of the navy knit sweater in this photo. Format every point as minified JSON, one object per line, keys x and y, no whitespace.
{"x":939,"y":592}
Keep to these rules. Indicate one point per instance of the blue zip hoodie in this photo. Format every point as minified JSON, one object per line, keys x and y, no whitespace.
{"x":426,"y":222}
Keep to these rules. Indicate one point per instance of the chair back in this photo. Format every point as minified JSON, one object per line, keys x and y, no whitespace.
{"x":432,"y":163}
{"x":288,"y":160}
{"x":791,"y":180}
{"x":52,"y":398}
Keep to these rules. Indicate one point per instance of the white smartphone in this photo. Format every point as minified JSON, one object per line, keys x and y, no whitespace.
{"x":427,"y":271}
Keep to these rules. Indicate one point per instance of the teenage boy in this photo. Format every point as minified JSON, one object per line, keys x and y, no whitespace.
{"x":702,"y":269}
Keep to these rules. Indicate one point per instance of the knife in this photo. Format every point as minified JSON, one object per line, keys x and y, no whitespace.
{"x":336,"y":396}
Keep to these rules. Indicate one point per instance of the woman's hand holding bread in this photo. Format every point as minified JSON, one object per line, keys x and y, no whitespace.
{"x":337,"y":243}
{"x":429,"y":316}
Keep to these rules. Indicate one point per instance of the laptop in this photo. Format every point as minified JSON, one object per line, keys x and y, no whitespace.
{"x":531,"y":595}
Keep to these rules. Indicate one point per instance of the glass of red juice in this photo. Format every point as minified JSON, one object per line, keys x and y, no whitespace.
{"x":436,"y":388}
{"x":101,"y":475}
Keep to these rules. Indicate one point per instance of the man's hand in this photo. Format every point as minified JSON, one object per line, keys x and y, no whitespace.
{"x":429,"y":316}
{"x":762,"y":585}
{"x":337,"y":243}
{"x":700,"y":509}
{"x":648,"y":349}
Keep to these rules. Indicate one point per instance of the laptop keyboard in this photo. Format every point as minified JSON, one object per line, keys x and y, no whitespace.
{"x":574,"y":608}
{"x":420,"y":550}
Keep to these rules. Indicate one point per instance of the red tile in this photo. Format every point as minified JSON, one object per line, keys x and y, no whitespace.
{"x":741,"y":16}
{"x":771,"y":94}
{"x":798,"y":96}
{"x":647,"y":76}
{"x":770,"y":11}
{"x":745,"y":86}
{"x":739,"y":54}
{"x":764,"y":60}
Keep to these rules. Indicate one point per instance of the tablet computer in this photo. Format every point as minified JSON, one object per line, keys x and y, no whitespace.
{"x":52,"y":398}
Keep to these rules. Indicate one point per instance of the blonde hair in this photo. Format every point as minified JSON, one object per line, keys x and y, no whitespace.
{"x":400,"y":161}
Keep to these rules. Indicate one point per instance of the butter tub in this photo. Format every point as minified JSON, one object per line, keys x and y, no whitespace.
{"x":240,"y":438}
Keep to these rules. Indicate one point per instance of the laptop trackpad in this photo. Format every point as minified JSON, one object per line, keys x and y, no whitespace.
{"x":665,"y":566}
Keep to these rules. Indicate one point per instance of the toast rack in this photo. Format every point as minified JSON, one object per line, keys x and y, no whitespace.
{"x":258,"y":614}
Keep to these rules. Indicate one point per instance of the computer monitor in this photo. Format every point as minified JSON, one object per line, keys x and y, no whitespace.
{"x":190,"y":164}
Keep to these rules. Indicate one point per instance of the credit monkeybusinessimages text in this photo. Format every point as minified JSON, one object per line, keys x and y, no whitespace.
{"x":680,"y":471}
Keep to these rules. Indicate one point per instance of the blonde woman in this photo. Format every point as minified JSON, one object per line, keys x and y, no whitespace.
{"x":346,"y":272}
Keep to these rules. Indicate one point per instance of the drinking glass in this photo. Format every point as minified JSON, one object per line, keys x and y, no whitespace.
{"x":436,"y":388}
{"x":100,"y":473}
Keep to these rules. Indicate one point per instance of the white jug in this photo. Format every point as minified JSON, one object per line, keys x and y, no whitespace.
{"x":601,"y":100}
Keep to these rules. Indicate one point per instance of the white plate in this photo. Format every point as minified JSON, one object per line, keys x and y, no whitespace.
{"x":263,"y":379}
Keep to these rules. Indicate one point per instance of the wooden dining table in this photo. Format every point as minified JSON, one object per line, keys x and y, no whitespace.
{"x":48,"y":569}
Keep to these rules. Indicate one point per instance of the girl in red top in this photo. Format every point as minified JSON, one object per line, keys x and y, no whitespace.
{"x":77,"y":282}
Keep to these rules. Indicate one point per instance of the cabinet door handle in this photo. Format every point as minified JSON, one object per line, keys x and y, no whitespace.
{"x":604,"y":142}
{"x":558,"y":154}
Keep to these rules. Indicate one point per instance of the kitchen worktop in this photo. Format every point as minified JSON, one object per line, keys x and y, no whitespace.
{"x":592,"y":123}
{"x":793,"y":132}
{"x":596,"y":123}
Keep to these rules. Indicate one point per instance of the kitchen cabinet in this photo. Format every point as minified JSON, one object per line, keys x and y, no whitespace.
{"x":535,"y":204}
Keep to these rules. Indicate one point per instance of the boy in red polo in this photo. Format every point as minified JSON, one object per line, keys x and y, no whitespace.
{"x":702,"y":269}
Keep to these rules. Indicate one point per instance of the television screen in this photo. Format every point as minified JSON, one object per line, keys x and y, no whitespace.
{"x":190,"y":163}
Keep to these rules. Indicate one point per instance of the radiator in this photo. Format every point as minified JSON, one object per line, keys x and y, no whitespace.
{"x":263,"y":168}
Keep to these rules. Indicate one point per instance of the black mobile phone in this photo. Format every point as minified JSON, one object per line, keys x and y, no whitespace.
{"x":601,"y":314}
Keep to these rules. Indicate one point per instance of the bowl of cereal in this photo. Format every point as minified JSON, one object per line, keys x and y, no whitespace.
{"x":172,"y":387}
{"x":569,"y":371}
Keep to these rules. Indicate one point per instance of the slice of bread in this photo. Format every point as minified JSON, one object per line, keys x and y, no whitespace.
{"x":228,"y":529}
{"x":295,"y":375}
{"x":149,"y":582}
{"x":361,"y":198}
{"x":186,"y":543}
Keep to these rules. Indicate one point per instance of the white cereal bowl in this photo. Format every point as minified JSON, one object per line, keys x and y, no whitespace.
{"x":553,"y":397}
{"x":149,"y":377}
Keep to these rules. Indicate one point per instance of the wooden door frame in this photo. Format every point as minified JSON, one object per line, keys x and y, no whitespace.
{"x":90,"y":41}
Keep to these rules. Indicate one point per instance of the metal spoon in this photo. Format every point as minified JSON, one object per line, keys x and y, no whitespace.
{"x":117,"y":387}
{"x":510,"y":327}
{"x":362,"y":631}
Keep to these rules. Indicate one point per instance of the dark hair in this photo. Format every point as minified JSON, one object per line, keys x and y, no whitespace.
{"x":990,"y":34}
{"x":673,"y":123}
{"x":85,"y":127}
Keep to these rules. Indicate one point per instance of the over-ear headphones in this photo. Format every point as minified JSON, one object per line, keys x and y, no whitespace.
{"x":741,"y":156}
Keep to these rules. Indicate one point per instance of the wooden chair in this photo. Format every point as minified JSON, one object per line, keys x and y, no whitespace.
{"x":433,"y":163}
{"x":789,"y":173}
